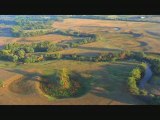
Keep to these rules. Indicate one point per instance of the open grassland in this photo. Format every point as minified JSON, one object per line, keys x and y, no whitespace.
{"x":111,"y":43}
{"x":50,"y":37}
{"x":107,"y":83}
{"x":116,"y":34}
{"x":95,"y":25}
{"x":123,"y":38}
{"x":6,"y":75}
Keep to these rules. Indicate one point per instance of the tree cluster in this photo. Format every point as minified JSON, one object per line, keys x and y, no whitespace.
{"x":133,"y":80}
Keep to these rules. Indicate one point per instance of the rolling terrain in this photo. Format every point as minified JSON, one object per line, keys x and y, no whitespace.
{"x":106,"y":81}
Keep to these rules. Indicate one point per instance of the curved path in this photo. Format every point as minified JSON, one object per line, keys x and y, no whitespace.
{"x":146,"y":78}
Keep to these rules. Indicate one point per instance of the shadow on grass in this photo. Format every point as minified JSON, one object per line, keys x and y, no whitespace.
{"x":108,"y":82}
{"x":27,"y":75}
{"x":111,"y":84}
{"x":142,"y":43}
{"x":84,"y":83}
{"x":134,"y":35}
{"x":153,"y":33}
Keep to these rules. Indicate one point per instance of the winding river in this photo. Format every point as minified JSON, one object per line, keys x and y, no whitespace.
{"x":146,"y":78}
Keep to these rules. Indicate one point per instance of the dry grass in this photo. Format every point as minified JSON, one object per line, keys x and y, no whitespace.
{"x":81,"y":24}
{"x":6,"y":40}
{"x":51,"y":37}
{"x":7,"y":75}
{"x":114,"y":39}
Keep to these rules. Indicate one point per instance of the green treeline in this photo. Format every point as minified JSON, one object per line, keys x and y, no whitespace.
{"x":27,"y":27}
{"x":17,"y":31}
{"x":134,"y":78}
{"x":20,"y":52}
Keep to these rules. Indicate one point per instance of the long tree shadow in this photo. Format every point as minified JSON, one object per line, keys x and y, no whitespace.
{"x":27,"y":75}
{"x":153,"y":33}
{"x":142,"y":44}
{"x":112,"y":83}
{"x":134,"y":35}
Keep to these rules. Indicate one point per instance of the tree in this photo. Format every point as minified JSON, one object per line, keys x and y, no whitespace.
{"x":29,"y":50}
{"x":101,"y":56}
{"x":140,"y":55}
{"x":128,"y":53}
{"x":113,"y":59}
{"x":15,"y":58}
{"x":143,"y":66}
{"x":40,"y":58}
{"x":74,"y":56}
{"x":58,"y":55}
{"x":85,"y":41}
{"x":1,"y":83}
{"x":81,"y":58}
{"x":136,"y":73}
{"x":74,"y":45}
{"x":109,"y":56}
{"x":6,"y":52}
{"x":157,"y":68}
{"x":52,"y":48}
{"x":21,"y":53}
{"x":122,"y":55}
{"x":30,"y":59}
{"x":132,"y":86}
{"x":27,"y":60}
{"x":143,"y":92}
{"x":64,"y":78}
